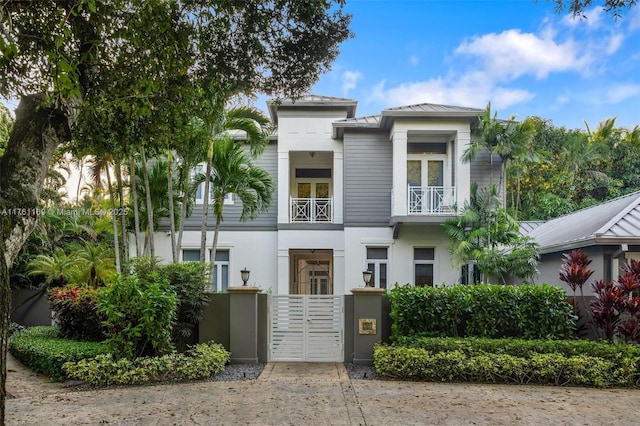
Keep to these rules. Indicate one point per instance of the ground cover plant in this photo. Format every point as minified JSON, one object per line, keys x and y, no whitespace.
{"x":199,"y":362}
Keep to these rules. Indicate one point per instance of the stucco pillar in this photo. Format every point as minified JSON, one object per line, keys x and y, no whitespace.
{"x":367,"y":323}
{"x":399,"y":141}
{"x":283,"y":272}
{"x":243,"y":324}
{"x":283,"y":187}
{"x":463,"y":170}
{"x":338,"y":187}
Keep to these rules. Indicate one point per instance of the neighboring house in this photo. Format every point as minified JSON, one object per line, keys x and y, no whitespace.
{"x":353,"y":193}
{"x":609,"y":233}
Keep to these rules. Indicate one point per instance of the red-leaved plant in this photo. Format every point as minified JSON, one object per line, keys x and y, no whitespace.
{"x":616,"y":308}
{"x":575,"y":272}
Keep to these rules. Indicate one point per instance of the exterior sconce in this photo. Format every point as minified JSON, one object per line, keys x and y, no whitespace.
{"x":366,"y":276}
{"x":244,"y":274}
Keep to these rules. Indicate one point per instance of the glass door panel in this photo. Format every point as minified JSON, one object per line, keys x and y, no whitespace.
{"x":435,"y":173}
{"x":322,"y":190}
{"x":304,"y":190}
{"x":414,"y":172}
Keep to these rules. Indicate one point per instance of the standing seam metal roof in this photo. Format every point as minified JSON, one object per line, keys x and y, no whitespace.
{"x":616,"y":219}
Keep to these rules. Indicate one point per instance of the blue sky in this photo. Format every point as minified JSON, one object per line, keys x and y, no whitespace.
{"x":518,"y":54}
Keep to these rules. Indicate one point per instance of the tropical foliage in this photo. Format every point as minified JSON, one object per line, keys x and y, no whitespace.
{"x":573,"y":169}
{"x":486,"y":235}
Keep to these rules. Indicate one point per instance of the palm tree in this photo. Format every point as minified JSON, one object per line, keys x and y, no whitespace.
{"x":95,"y":264}
{"x":56,"y":268}
{"x":510,"y":140}
{"x":256,"y":128}
{"x":155,"y":190}
{"x":235,"y":173}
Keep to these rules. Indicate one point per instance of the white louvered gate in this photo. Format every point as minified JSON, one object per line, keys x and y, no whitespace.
{"x":307,"y":328}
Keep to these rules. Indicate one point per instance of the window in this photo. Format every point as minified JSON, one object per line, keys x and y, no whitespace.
{"x":377,"y":263}
{"x":423,"y":266}
{"x":198,"y":170}
{"x":191,"y":255}
{"x":470,"y":274}
{"x":221,"y":271}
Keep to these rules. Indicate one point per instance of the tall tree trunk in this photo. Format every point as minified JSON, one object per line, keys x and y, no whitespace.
{"x":136,"y":212}
{"x":183,"y":205}
{"x":172,"y":216}
{"x":80,"y":180}
{"x":37,"y":131}
{"x":150,"y":230}
{"x":124,"y":241}
{"x":114,"y":221}
{"x":205,"y":205}
{"x":214,"y":246}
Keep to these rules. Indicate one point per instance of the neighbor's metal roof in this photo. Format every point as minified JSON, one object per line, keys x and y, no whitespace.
{"x":613,"y":222}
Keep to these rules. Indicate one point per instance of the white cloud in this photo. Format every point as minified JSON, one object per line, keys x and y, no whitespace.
{"x":614,"y":43}
{"x":620,"y":92}
{"x":471,"y":90}
{"x":350,"y":81}
{"x":592,"y":18}
{"x":511,"y":54}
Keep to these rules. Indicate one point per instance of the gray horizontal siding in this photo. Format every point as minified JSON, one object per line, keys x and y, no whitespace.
{"x":368,"y":164}
{"x":481,"y":169}
{"x":231,"y":213}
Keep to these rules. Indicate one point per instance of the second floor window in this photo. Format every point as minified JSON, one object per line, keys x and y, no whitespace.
{"x":378,"y":264}
{"x":200,"y":199}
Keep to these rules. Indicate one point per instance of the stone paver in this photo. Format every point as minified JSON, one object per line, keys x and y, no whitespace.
{"x":316,"y":394}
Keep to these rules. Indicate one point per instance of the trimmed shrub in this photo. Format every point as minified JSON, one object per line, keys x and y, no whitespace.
{"x":45,"y":351}
{"x":76,"y":313}
{"x":200,"y":362}
{"x":525,"y":311}
{"x":189,"y":281}
{"x":521,"y":347}
{"x":470,"y":363}
{"x":138,"y":316}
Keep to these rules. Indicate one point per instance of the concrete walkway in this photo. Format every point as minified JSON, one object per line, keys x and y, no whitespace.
{"x":315,"y":394}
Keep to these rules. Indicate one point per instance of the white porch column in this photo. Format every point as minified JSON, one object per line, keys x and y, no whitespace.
{"x":338,"y":187}
{"x":283,"y":272}
{"x":399,"y":140}
{"x":463,"y":171}
{"x":338,"y":272}
{"x":283,"y":187}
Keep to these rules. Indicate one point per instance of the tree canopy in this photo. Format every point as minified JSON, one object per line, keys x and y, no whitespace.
{"x":125,"y":74}
{"x":577,"y":7}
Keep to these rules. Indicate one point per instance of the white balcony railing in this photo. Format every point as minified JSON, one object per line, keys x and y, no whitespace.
{"x":425,"y":200}
{"x":311,"y":210}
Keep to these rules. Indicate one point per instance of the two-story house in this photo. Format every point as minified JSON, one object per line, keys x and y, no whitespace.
{"x":353,"y":194}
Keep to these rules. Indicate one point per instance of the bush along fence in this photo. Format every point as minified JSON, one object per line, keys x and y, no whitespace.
{"x":498,"y":334}
{"x":526,"y":311}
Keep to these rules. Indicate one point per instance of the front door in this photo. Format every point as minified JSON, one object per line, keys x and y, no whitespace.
{"x":312,"y":272}
{"x":425,"y":179}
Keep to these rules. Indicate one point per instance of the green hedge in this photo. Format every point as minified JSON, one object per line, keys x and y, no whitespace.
{"x":45,"y":351}
{"x":199,"y":362}
{"x":478,"y":366}
{"x":521,"y":347}
{"x":524,"y":311}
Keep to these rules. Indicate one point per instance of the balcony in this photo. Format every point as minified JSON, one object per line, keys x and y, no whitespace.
{"x":431,"y":200}
{"x":311,"y":210}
